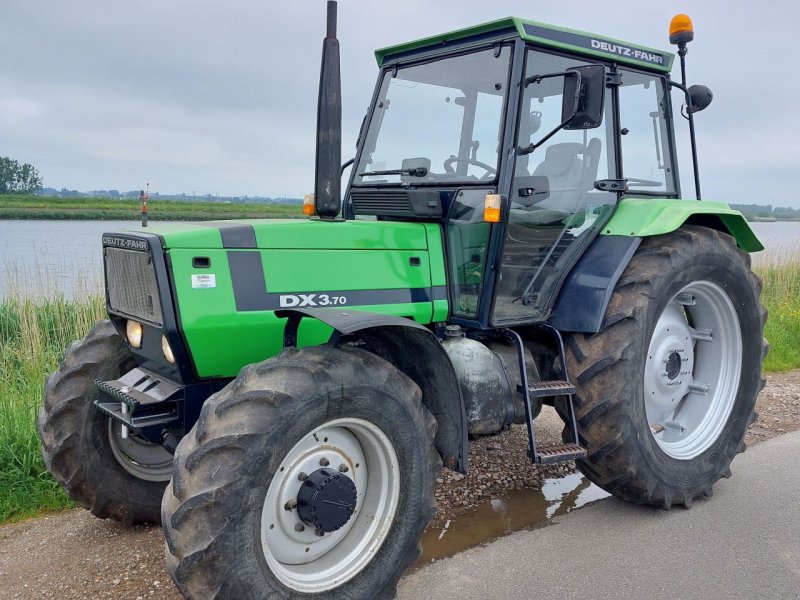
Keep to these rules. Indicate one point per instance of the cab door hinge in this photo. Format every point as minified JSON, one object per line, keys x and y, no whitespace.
{"x":611,"y":185}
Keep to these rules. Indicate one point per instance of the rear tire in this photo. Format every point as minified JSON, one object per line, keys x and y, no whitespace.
{"x":650,"y":438}
{"x":83,"y":450}
{"x":228,"y":533}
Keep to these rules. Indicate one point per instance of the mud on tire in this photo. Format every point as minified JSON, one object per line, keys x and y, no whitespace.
{"x":608,"y":369}
{"x":212,"y":509}
{"x":75,"y":436}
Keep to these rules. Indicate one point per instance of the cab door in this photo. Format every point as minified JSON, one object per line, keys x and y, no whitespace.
{"x":554,"y":209}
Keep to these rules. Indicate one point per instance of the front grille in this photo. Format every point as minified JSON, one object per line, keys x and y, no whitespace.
{"x":131,"y":281}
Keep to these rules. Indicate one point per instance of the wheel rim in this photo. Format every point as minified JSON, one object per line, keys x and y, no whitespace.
{"x":692,"y":370}
{"x":304,"y":561}
{"x":142,"y":459}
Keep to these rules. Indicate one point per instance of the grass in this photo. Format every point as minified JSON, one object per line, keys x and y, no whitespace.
{"x":45,"y":207}
{"x":34,"y":333}
{"x":781,"y":296}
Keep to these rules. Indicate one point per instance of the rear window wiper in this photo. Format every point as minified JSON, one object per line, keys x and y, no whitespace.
{"x":413,"y":172}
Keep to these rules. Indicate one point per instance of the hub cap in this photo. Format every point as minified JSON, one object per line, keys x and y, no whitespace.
{"x":353,"y":497}
{"x":692,"y":370}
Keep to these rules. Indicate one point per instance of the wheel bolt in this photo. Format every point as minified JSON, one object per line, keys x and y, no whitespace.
{"x":299,"y":527}
{"x":319,"y":533}
{"x":290,"y":505}
{"x":343,"y":468}
{"x":324,"y":462}
{"x":302,"y":476}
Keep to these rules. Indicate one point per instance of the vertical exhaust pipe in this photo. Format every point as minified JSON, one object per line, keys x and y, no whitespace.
{"x":327,"y":176}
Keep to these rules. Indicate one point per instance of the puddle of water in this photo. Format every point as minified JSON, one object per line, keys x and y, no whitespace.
{"x":500,"y":516}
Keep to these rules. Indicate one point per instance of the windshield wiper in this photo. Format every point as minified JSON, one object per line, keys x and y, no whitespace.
{"x":413,"y":172}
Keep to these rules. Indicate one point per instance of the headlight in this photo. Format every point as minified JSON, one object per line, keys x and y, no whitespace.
{"x":133,"y":331}
{"x":165,"y":348}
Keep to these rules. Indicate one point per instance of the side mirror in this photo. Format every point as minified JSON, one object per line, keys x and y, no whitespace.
{"x":701,"y":97}
{"x":584,"y":97}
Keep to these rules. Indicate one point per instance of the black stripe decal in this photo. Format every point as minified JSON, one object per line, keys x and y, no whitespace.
{"x":251,"y":293}
{"x":235,"y":235}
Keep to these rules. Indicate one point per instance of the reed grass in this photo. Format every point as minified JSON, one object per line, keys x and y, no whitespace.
{"x":780,"y":276}
{"x":33,"y":336}
{"x":34,"y":331}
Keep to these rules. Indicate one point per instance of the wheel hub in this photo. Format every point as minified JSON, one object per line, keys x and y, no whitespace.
{"x":673,"y":365}
{"x":326,"y":500}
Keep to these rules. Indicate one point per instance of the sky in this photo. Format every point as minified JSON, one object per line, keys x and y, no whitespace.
{"x":219,"y":98}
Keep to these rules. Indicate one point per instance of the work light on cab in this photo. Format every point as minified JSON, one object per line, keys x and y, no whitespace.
{"x":133,"y":331}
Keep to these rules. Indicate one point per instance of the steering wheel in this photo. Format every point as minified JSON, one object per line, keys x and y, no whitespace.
{"x":448,"y":165}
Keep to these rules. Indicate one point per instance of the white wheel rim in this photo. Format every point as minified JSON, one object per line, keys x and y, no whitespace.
{"x":692,"y":370}
{"x":303,"y":561}
{"x":142,"y":459}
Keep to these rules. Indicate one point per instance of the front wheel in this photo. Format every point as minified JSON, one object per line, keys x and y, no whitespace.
{"x":667,"y":388}
{"x":114,"y":476}
{"x":311,"y":474}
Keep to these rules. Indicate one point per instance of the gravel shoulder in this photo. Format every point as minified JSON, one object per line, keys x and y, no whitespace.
{"x":74,"y":555}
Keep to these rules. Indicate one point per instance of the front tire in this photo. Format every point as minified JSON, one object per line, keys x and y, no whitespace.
{"x":114,"y":478}
{"x":667,"y":388}
{"x":232,"y":525}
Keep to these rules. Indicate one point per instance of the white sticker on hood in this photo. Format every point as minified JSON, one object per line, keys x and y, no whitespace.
{"x":204,"y":280}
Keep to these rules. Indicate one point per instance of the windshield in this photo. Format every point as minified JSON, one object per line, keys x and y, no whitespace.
{"x":437,"y":122}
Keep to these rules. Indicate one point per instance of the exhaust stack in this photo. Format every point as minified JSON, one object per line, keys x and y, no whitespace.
{"x":327,"y":177}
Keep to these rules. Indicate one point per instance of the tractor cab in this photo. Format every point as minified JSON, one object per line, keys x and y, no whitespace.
{"x":520,"y":139}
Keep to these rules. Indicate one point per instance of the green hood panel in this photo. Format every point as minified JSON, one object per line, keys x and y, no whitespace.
{"x":226,"y":307}
{"x":305,"y":234}
{"x":645,"y":217}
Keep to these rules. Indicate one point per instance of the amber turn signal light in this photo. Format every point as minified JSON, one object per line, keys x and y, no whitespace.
{"x":308,"y":205}
{"x":491,"y":208}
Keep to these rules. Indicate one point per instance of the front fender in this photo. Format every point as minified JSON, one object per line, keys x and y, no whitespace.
{"x":415,"y":351}
{"x":639,"y":217}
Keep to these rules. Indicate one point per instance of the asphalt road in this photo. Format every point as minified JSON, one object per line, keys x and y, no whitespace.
{"x":744,"y":543}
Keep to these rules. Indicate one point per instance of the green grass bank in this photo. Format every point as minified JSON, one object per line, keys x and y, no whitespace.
{"x":34,"y":334}
{"x":45,"y":207}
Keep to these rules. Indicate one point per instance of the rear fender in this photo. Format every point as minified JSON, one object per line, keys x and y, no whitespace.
{"x":415,"y":351}
{"x":638,"y":217}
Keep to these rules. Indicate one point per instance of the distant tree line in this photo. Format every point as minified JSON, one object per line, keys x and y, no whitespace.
{"x":16,"y":178}
{"x":754,"y":212}
{"x":155,"y":196}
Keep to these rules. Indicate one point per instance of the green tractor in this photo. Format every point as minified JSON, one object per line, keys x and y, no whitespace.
{"x":281,"y":394}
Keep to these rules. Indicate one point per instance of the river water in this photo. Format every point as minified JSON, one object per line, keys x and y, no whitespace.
{"x":42,"y":258}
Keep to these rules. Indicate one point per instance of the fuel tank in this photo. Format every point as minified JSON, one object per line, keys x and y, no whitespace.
{"x":488,"y":375}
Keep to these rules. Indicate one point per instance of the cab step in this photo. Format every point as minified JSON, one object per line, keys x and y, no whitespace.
{"x":542,"y":389}
{"x":546,"y":455}
{"x":545,"y":389}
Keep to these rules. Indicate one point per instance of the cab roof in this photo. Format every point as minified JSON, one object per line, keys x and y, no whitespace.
{"x":571,"y":40}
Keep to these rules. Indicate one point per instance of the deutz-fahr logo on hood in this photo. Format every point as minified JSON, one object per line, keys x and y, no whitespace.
{"x":124,"y":242}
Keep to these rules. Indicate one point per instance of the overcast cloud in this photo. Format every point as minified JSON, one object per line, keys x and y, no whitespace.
{"x":213,"y":97}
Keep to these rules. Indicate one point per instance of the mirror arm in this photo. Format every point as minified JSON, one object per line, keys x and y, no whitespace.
{"x":575,"y":105}
{"x":690,"y":112}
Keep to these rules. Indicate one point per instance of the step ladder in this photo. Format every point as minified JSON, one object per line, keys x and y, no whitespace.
{"x":545,"y":455}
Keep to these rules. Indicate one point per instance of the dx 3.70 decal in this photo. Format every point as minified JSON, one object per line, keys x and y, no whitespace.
{"x":300,"y":300}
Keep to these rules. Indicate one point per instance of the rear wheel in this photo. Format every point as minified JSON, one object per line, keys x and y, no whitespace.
{"x":122,"y":478}
{"x":311,"y":474}
{"x":667,"y":388}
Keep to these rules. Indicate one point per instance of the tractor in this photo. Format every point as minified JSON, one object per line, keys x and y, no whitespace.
{"x":281,"y":394}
